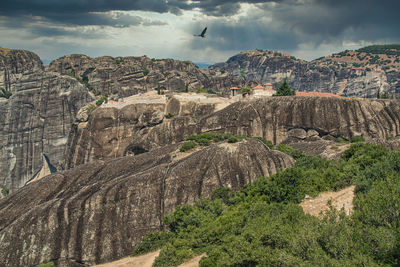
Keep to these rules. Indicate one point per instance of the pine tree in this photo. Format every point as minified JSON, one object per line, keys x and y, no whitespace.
{"x":284,"y":89}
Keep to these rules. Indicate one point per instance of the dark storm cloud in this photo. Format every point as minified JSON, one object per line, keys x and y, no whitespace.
{"x":85,"y":12}
{"x":332,"y":19}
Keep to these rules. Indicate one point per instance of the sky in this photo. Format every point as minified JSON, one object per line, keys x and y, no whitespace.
{"x":307,"y":29}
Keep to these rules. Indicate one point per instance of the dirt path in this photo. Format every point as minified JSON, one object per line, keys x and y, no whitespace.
{"x":342,"y":198}
{"x":147,"y":260}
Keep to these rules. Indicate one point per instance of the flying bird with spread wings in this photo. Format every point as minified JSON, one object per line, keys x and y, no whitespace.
{"x":203,"y":33}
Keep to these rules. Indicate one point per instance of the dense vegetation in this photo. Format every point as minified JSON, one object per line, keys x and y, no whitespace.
{"x":393,"y":49}
{"x":262,"y":224}
{"x":205,"y":139}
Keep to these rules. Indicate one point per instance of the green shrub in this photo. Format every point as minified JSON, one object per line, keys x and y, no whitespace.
{"x":201,"y":91}
{"x":242,"y":73}
{"x":357,"y":139}
{"x":187,"y":146}
{"x":119,"y":61}
{"x":4,"y":191}
{"x":101,"y":100}
{"x":169,"y":115}
{"x":5,"y":93}
{"x":233,"y":139}
{"x":246,"y":90}
{"x":90,"y":109}
{"x":145,"y":71}
{"x":203,"y":142}
{"x":152,"y":242}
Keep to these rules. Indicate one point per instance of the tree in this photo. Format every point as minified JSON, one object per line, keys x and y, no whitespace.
{"x":246,"y":90}
{"x":284,"y":89}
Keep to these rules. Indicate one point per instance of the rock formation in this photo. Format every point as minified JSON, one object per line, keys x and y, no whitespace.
{"x":113,"y":132}
{"x":99,"y":211}
{"x":133,"y":75}
{"x":274,"y":67}
{"x":281,"y":118}
{"x":37,"y":118}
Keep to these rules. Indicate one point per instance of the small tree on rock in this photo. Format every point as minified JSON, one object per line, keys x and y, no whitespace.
{"x":284,"y":89}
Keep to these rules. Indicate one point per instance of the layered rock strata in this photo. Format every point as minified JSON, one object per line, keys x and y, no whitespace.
{"x":100,"y":211}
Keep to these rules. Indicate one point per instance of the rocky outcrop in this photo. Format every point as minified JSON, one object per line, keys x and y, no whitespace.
{"x":100,"y":211}
{"x":312,"y":122}
{"x":111,"y":128}
{"x":274,"y":67}
{"x":14,"y":63}
{"x":133,"y":75}
{"x":279,"y":118}
{"x":36,"y":119}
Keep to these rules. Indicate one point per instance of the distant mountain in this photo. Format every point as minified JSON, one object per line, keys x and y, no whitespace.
{"x":349,"y":73}
{"x":202,"y":65}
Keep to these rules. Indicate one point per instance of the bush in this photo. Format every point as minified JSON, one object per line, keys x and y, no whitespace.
{"x":145,"y":71}
{"x":90,"y":109}
{"x":4,"y":191}
{"x":233,"y":139}
{"x":246,"y":90}
{"x":187,"y":146}
{"x":169,"y":115}
{"x":101,"y":101}
{"x":5,"y":93}
{"x":357,"y":139}
{"x":152,"y":242}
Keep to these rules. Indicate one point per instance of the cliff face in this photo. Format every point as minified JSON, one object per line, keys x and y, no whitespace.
{"x":100,"y":211}
{"x":281,"y":118}
{"x":132,"y":75}
{"x":110,"y":129}
{"x":111,"y":132}
{"x":36,"y":119}
{"x":264,"y":66}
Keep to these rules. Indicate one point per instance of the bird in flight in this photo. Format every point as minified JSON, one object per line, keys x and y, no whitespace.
{"x":203,"y":33}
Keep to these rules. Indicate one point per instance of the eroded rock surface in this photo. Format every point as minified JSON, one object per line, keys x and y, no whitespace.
{"x":275,"y":119}
{"x":37,"y":118}
{"x":99,"y":211}
{"x":133,"y":75}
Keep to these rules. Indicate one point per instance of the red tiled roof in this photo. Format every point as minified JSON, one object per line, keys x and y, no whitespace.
{"x":235,"y":88}
{"x":258,"y":87}
{"x":316,"y":94}
{"x":112,"y":101}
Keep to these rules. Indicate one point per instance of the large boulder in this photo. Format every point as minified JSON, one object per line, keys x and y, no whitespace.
{"x":100,"y":211}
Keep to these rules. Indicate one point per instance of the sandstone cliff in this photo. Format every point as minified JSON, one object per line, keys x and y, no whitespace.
{"x":281,"y":118}
{"x":111,"y":127}
{"x":37,"y":118}
{"x":99,"y":211}
{"x":112,"y":132}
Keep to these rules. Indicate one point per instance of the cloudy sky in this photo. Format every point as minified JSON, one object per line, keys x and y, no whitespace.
{"x":164,"y":28}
